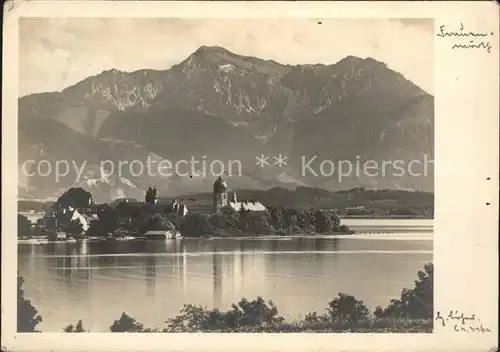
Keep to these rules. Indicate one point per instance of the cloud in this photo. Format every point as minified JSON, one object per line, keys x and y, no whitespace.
{"x":56,"y":53}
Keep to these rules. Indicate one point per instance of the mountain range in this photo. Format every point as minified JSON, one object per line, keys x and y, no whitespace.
{"x":217,"y":105}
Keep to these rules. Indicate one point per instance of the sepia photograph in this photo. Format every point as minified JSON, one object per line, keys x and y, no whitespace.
{"x":202,"y":180}
{"x":218,"y":174}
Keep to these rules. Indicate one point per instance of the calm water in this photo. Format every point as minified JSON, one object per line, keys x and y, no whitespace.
{"x":96,"y":282}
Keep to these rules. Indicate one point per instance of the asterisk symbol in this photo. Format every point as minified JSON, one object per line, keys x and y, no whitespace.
{"x":262,"y":160}
{"x":280,"y":160}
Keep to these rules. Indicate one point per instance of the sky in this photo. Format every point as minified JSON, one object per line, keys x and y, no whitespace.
{"x":55,"y":53}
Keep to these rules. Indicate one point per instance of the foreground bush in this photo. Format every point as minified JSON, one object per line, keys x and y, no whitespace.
{"x":416,"y":303}
{"x":75,"y":328}
{"x":126,"y":324}
{"x":27,"y":315}
{"x":365,"y":326}
{"x":344,"y":310}
{"x":244,"y":314}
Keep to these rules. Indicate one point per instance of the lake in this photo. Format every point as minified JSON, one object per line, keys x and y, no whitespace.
{"x":97,"y":281}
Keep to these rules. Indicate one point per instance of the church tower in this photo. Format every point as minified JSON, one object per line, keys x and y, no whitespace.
{"x":219,"y":195}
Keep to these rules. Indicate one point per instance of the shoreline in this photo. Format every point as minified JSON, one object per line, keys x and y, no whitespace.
{"x":338,"y":235}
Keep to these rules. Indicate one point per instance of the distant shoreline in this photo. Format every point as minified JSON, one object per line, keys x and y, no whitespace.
{"x":333,"y":235}
{"x":389,"y":217}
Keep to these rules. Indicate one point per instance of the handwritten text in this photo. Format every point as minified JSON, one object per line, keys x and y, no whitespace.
{"x":461,"y":322}
{"x":479,"y":41}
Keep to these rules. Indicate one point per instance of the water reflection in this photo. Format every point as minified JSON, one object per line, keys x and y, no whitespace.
{"x":150,"y":275}
{"x":83,"y":268}
{"x":217,"y":278}
{"x":242,"y":259}
{"x":184,"y":267}
{"x":62,"y":263}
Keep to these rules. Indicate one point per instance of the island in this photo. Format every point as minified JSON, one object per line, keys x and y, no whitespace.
{"x":309,"y":211}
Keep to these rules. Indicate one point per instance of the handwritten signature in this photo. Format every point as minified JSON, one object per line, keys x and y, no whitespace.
{"x":472,"y":44}
{"x":461,"y":322}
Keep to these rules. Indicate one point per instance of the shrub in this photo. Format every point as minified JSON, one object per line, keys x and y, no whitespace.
{"x":313,"y":318}
{"x":126,"y":324}
{"x":253,"y":313}
{"x":196,"y":318}
{"x":344,"y":229}
{"x":347,"y":309}
{"x":78,"y":328}
{"x":244,"y":314}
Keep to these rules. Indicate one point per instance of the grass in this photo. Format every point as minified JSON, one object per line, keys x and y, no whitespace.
{"x":381,"y":326}
{"x":367,"y":326}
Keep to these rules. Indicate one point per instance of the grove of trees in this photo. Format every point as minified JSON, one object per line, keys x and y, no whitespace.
{"x":276,"y":220}
{"x":24,"y":226}
{"x":228,"y":222}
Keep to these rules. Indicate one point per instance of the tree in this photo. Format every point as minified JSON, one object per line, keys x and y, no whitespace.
{"x":97,"y":228}
{"x":75,"y":197}
{"x":256,"y":222}
{"x":305,"y":218}
{"x":126,"y":324}
{"x":253,"y":313}
{"x":290,"y":217}
{"x":106,"y":223}
{"x":276,"y":215}
{"x":322,"y":221}
{"x":23,"y":226}
{"x":175,"y":219}
{"x":78,"y":328}
{"x":158,"y":222}
{"x":74,"y":227}
{"x":27,"y":315}
{"x":347,"y":309}
{"x":378,"y":312}
{"x":314,"y":318}
{"x":195,"y":225}
{"x":194,"y":318}
{"x":416,"y":303}
{"x":151,"y":195}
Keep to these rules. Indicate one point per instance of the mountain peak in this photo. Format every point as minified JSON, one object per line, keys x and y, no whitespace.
{"x":207,"y":50}
{"x":113,"y":71}
{"x":352,"y":60}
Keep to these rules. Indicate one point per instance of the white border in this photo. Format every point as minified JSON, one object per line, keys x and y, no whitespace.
{"x":466,"y":130}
